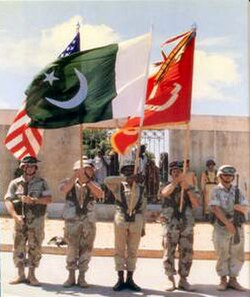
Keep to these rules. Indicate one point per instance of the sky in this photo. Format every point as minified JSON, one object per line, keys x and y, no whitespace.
{"x":34,"y":33}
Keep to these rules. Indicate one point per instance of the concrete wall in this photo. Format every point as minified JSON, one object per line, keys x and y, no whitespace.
{"x":227,"y":139}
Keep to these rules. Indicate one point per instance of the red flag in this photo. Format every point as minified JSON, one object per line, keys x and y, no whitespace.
{"x":22,"y":140}
{"x":169,"y":92}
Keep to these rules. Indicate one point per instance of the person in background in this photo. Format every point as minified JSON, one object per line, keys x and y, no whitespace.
{"x":163,"y":168}
{"x":101,"y":163}
{"x":208,"y":181}
{"x":26,"y":201}
{"x":152,"y":181}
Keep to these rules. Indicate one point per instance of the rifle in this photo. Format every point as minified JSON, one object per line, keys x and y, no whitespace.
{"x":25,"y":193}
{"x":239,"y":217}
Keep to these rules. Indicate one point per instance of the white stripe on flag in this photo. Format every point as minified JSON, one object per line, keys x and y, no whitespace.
{"x":32,"y":139}
{"x":19,"y":153}
{"x":17,"y":124}
{"x":11,"y":144}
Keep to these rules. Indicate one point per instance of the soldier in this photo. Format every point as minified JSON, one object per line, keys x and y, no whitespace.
{"x":226,"y":201}
{"x":26,"y":201}
{"x":79,"y":216}
{"x":178,"y":226}
{"x":208,"y":181}
{"x":128,"y":228}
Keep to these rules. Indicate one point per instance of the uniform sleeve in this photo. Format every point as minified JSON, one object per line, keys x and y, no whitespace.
{"x":11,"y":192}
{"x":46,"y":190}
{"x":243,"y":200}
{"x":215,"y":201}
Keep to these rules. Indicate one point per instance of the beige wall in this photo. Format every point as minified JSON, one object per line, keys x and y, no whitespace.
{"x":227,"y":139}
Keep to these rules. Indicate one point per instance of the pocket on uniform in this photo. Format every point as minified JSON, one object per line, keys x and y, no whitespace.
{"x":69,"y":211}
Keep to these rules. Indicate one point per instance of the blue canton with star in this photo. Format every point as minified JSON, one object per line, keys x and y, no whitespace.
{"x":73,"y":47}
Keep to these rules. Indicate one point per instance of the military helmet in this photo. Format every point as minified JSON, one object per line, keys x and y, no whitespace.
{"x":175,"y":165}
{"x":28,"y":160}
{"x":85,"y":163}
{"x":127,"y":167}
{"x":226,"y":169}
{"x":209,"y":162}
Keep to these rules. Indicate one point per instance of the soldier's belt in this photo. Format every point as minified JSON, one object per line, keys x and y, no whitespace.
{"x":131,"y":218}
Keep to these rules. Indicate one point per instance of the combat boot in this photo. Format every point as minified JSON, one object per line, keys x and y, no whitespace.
{"x":130,"y":284}
{"x":223,"y":284}
{"x":71,"y":281}
{"x":233,"y":284}
{"x":120,"y":285}
{"x":184,"y":284}
{"x":20,"y":276}
{"x":32,"y":280}
{"x":172,"y":287}
{"x":81,"y":280}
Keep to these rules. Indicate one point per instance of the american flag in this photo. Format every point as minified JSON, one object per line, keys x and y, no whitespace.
{"x":73,"y":47}
{"x":22,"y":140}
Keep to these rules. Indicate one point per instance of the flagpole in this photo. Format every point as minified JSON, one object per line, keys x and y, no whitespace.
{"x":185,"y":157}
{"x":138,"y":143}
{"x":80,"y":134}
{"x":80,"y":126}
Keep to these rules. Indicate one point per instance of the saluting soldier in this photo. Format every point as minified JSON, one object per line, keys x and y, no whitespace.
{"x":80,"y":220}
{"x":178,"y":226}
{"x":26,"y":201}
{"x":227,"y":201}
{"x":208,"y":181}
{"x":128,"y":228}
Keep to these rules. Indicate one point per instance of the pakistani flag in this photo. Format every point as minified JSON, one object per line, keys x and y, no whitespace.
{"x":91,"y":86}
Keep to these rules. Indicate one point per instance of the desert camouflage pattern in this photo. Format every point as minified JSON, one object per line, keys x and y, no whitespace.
{"x":79,"y":230}
{"x":230,"y":255}
{"x":27,"y":248}
{"x":177,"y":235}
{"x":127,"y":234}
{"x":80,"y":236}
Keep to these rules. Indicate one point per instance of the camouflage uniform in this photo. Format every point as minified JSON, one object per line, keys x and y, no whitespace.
{"x":127,"y":233}
{"x":230,"y":255}
{"x":177,"y":231}
{"x":80,"y":228}
{"x":33,"y":230}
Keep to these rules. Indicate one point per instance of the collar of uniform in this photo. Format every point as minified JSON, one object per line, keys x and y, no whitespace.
{"x":22,"y":179}
{"x":78,"y":185}
{"x":220,"y":185}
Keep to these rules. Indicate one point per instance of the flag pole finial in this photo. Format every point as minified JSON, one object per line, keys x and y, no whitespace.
{"x":194,"y":27}
{"x":77,"y":27}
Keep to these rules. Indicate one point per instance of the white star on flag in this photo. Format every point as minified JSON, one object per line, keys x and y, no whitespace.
{"x":50,"y":77}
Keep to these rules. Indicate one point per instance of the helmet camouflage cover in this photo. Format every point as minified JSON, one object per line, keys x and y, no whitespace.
{"x":29,"y":160}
